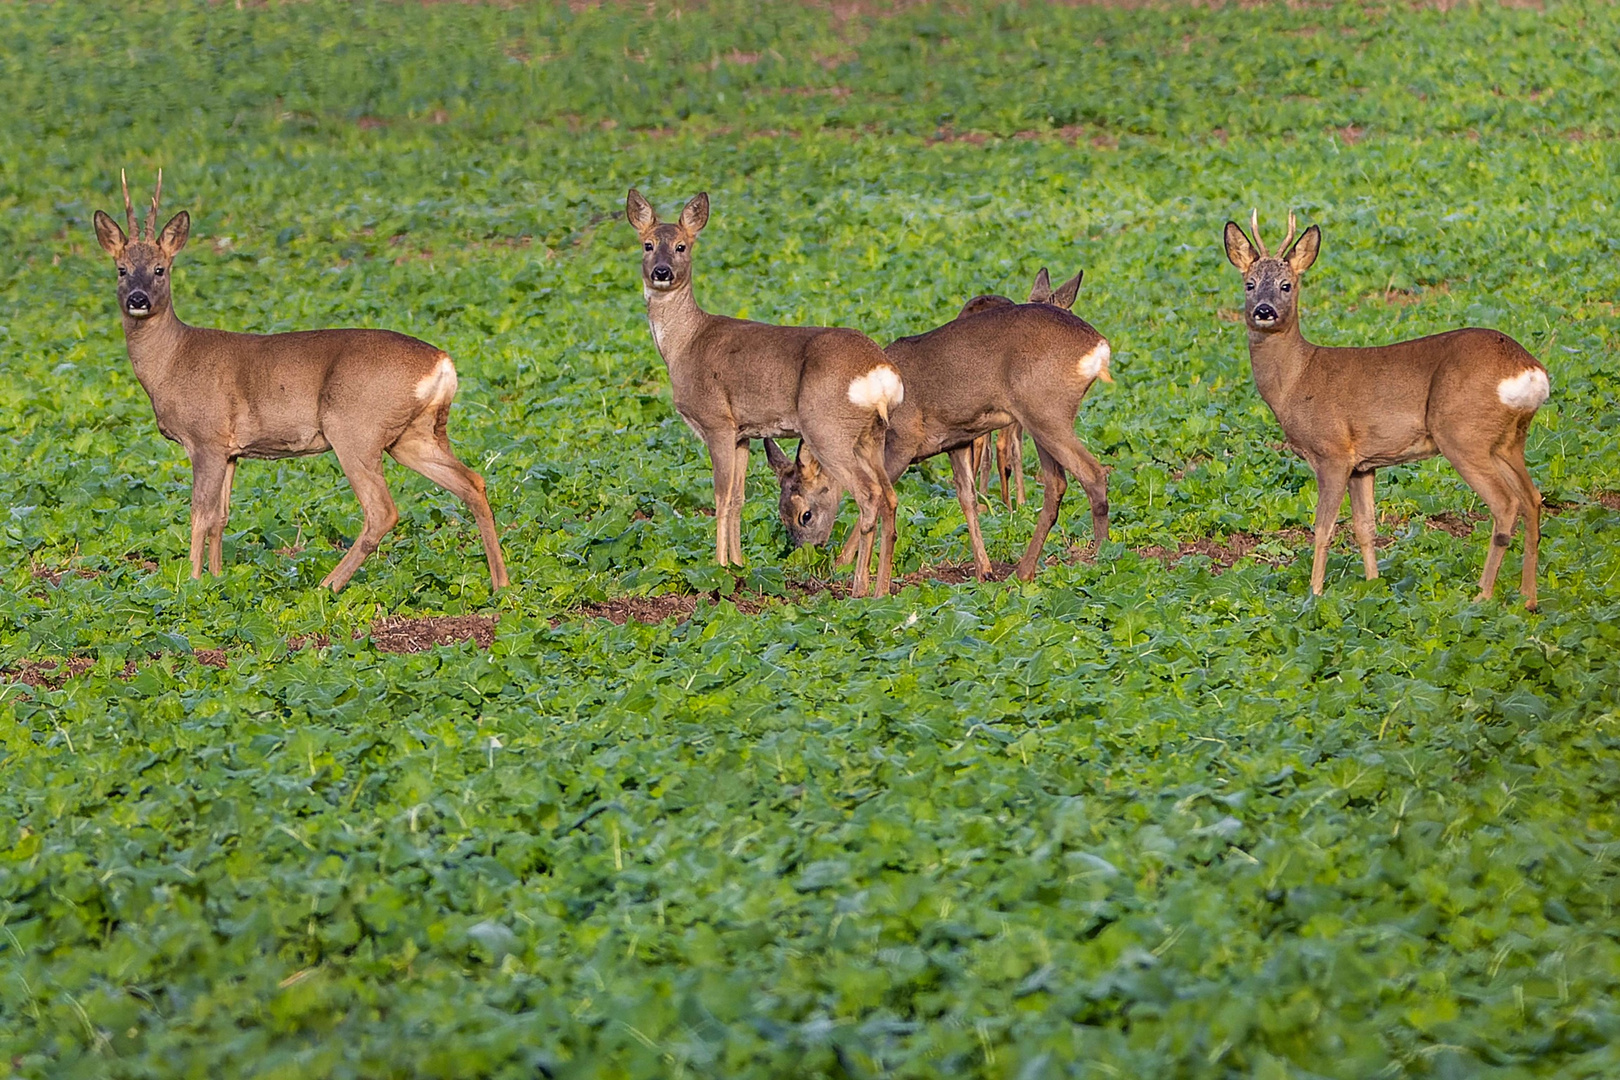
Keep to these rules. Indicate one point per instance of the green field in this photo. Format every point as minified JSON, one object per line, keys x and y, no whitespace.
{"x":1142,"y":818}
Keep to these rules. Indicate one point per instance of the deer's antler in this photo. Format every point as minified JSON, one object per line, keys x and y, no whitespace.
{"x":129,"y":209}
{"x":151,"y":219}
{"x":1254,"y":227}
{"x":1283,"y":250}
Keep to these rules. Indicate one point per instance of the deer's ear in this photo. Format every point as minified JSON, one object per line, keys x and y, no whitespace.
{"x":1300,"y":257}
{"x":1041,"y":291}
{"x":695,"y":214}
{"x":175,"y":234}
{"x":809,"y":468}
{"x":113,"y":240}
{"x":983,"y":302}
{"x":1065,"y":294}
{"x":1238,"y":249}
{"x":639,"y":212}
{"x":777,"y":460}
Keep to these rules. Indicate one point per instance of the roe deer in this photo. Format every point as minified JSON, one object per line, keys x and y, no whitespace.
{"x":734,"y":380}
{"x":224,"y":396}
{"x":999,"y":364}
{"x":1468,"y":394}
{"x":1009,"y":441}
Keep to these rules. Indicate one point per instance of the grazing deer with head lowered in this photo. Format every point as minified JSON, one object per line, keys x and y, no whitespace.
{"x":225,"y":396}
{"x":1009,"y":441}
{"x":1468,"y":394}
{"x":734,"y":380}
{"x":998,"y":364}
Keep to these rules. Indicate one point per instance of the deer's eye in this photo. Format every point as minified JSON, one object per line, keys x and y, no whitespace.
{"x":122,"y":271}
{"x":1286,"y":287}
{"x":158,"y":272}
{"x":646,"y":247}
{"x":804,"y":518}
{"x":680,"y":247}
{"x":1249,"y":285}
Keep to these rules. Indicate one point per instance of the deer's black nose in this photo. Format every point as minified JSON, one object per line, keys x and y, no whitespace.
{"x":139,"y":299}
{"x":663,"y":273}
{"x":1265,"y":313}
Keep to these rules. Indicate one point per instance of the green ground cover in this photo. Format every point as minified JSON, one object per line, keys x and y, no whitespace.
{"x":1132,"y":820}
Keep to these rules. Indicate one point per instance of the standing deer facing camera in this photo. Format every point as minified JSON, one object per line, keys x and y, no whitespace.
{"x":225,"y":396}
{"x":1468,"y":394}
{"x":734,"y":380}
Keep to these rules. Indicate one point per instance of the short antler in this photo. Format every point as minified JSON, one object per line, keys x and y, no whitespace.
{"x":1289,"y":239}
{"x":1254,"y":227}
{"x":151,"y":220}
{"x":129,"y":209}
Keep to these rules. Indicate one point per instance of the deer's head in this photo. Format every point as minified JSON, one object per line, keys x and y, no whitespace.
{"x":808,"y":502}
{"x":144,"y":259}
{"x":666,"y":260}
{"x":1271,"y":283}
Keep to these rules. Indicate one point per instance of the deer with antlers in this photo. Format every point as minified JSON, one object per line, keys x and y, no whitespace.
{"x":225,"y":396}
{"x":734,"y":380}
{"x":1467,"y":394}
{"x":999,"y":363}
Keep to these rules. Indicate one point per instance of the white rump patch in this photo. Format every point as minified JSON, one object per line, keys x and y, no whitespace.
{"x":1095,"y":362}
{"x":1525,"y":391}
{"x":440,"y":383}
{"x":879,"y":389}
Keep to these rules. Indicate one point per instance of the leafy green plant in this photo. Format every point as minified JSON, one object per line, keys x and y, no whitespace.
{"x":1143,"y":817}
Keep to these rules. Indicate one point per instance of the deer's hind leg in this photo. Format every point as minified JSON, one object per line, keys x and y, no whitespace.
{"x":1510,"y":462}
{"x":1479,"y":469}
{"x":425,"y":448}
{"x":361,"y":459}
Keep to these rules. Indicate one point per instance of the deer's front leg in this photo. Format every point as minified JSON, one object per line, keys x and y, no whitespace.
{"x":739,"y":492}
{"x":962,"y":473}
{"x":723,"y":457}
{"x":1332,"y":477}
{"x":216,"y":540}
{"x":208,"y":475}
{"x":1363,"y":520}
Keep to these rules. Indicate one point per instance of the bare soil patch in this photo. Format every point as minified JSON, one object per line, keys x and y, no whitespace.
{"x":1611,"y":499}
{"x":399,"y":634}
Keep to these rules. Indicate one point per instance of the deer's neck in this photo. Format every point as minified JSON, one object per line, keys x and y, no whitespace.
{"x":675,"y":319}
{"x":153,"y":343}
{"x":1278,"y":360}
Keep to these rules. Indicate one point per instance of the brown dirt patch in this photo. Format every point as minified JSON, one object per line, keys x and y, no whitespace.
{"x":1458,"y":525}
{"x":1611,"y":499}
{"x":399,"y":634}
{"x":49,"y":674}
{"x":214,"y":658}
{"x":55,"y":576}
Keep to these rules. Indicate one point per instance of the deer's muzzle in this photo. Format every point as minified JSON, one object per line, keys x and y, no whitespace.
{"x":138,"y":304}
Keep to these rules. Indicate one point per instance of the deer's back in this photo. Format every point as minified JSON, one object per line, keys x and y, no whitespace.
{"x":747,"y":374}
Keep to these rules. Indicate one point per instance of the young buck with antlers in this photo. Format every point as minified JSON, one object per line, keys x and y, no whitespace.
{"x":1009,"y":441}
{"x":225,"y":396}
{"x":1468,"y":394}
{"x":734,"y":380}
{"x":999,"y":364}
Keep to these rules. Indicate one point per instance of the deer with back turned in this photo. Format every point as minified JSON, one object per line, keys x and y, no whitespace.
{"x":733,"y":380}
{"x":225,"y":396}
{"x":1467,"y":394}
{"x":997,"y":364}
{"x":1008,"y":442}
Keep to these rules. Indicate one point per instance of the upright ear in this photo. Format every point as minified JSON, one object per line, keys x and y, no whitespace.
{"x":1238,"y":249}
{"x":1305,"y":249}
{"x":695,"y":214}
{"x":1064,"y":297}
{"x":175,"y":234}
{"x":113,"y":240}
{"x":983,"y":302}
{"x":777,"y":460}
{"x":639,"y":212}
{"x":809,"y":468}
{"x":1041,"y":291}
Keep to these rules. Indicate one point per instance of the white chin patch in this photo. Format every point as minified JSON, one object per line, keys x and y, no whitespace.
{"x":1525,"y":391}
